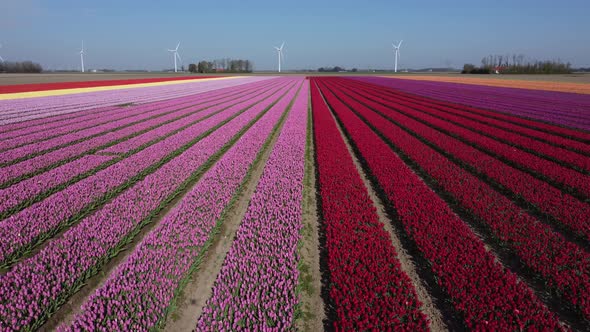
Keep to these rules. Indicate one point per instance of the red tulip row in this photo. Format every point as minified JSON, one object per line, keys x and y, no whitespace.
{"x":88,"y":84}
{"x":566,"y":209}
{"x":368,"y":289}
{"x":541,"y":149}
{"x":487,"y":295}
{"x":563,"y":266}
{"x":570,"y":178}
{"x":510,"y":123}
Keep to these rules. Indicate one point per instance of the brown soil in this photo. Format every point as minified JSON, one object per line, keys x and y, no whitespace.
{"x":312,"y":305}
{"x":198,"y":290}
{"x":428,"y":308}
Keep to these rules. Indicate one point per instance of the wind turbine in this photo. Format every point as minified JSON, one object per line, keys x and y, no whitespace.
{"x":82,"y":56}
{"x":396,"y":50}
{"x":280,"y":54}
{"x":175,"y":55}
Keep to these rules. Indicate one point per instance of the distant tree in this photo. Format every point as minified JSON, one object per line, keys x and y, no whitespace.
{"x":467,"y":68}
{"x":192,"y":68}
{"x":20,"y":67}
{"x":354,"y":70}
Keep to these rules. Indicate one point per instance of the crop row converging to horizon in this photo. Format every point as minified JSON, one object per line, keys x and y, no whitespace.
{"x":439,"y":205}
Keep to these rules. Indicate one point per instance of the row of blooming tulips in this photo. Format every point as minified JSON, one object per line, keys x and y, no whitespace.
{"x":166,"y":256}
{"x":555,"y":107}
{"x":566,"y":209}
{"x":40,"y":284}
{"x":36,"y":188}
{"x":563,"y":266}
{"x":18,"y":110}
{"x":67,"y":120}
{"x":88,"y":84}
{"x":107,"y":120}
{"x":481,"y":290}
{"x":572,"y":180}
{"x":488,"y":111}
{"x":24,"y":230}
{"x":512,"y":139}
{"x":139,"y":115}
{"x":367,"y":287}
{"x":496,"y":120}
{"x":256,"y":287}
{"x":26,"y":168}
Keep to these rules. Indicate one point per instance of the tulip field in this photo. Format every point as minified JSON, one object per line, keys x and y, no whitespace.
{"x":440,"y":205}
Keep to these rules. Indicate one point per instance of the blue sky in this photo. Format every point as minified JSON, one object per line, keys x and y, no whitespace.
{"x":134,"y":34}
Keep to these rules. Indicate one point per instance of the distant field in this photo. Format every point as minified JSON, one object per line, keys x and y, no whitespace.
{"x":13,"y":79}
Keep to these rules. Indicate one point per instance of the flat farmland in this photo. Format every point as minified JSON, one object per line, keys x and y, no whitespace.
{"x":280,"y":203}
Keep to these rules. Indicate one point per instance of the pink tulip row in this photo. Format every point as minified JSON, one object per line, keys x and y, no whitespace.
{"x":164,"y":258}
{"x":255,"y":289}
{"x":26,"y":192}
{"x":49,"y":159}
{"x":23,"y":230}
{"x":566,"y":209}
{"x":19,"y":110}
{"x":43,"y":282}
{"x":137,"y":115}
{"x":110,"y":120}
{"x":71,"y":119}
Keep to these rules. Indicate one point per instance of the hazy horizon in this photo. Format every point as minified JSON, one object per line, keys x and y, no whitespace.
{"x":135,"y":35}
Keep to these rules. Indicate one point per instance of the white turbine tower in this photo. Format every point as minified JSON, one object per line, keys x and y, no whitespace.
{"x":280,"y":54}
{"x":175,"y":55}
{"x":82,"y":57}
{"x":396,"y":51}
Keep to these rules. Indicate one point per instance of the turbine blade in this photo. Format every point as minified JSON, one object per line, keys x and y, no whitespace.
{"x":178,"y":45}
{"x":400,"y":43}
{"x":1,"y":59}
{"x":178,"y":55}
{"x":283,"y":44}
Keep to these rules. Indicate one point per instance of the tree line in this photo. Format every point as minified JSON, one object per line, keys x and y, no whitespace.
{"x":225,"y":65}
{"x":517,"y":64}
{"x":20,"y":67}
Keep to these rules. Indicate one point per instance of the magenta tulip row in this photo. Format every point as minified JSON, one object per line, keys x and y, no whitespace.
{"x":566,"y":209}
{"x":513,"y":139}
{"x":79,"y":118}
{"x":150,"y":113}
{"x":164,"y":258}
{"x":45,"y":281}
{"x":19,"y":110}
{"x":256,"y":287}
{"x":18,"y":170}
{"x":509,"y":123}
{"x":20,"y":231}
{"x":556,"y":107}
{"x":110,"y":120}
{"x":28,"y":189}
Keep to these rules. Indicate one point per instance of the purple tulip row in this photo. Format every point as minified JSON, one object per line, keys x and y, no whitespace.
{"x":515,"y":139}
{"x":164,"y":258}
{"x":20,"y":231}
{"x":11,"y":111}
{"x":139,"y":115}
{"x":256,"y":287}
{"x":69,"y":119}
{"x":21,"y":169}
{"x":19,"y":193}
{"x":108,"y":121}
{"x":38,"y":285}
{"x":557,"y":107}
{"x":27,"y":190}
